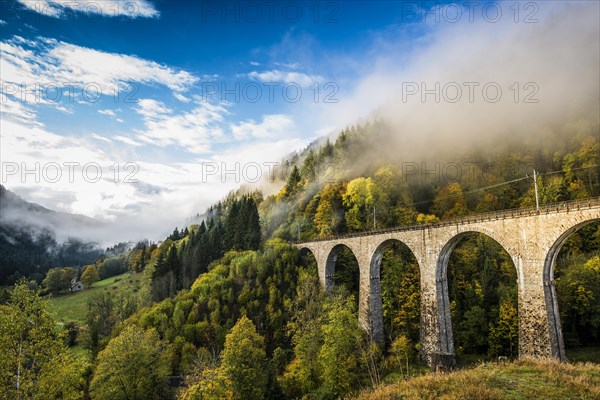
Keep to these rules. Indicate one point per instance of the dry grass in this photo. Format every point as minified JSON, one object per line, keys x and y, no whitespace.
{"x":518,"y":380}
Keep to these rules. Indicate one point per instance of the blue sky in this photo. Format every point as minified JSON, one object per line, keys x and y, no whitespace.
{"x":222,"y":43}
{"x":144,"y":82}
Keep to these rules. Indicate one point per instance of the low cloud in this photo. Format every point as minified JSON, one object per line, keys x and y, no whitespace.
{"x":525,"y":79}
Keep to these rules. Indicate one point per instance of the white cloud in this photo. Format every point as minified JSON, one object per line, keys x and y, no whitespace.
{"x":86,"y":65}
{"x":288,"y":65}
{"x":2,"y":22}
{"x":127,"y":140}
{"x":34,"y":71}
{"x":276,"y":75}
{"x":37,"y":65}
{"x":64,"y":109}
{"x":110,"y":198}
{"x":99,"y":137}
{"x":271,"y":127}
{"x":108,"y":112}
{"x":181,"y":98}
{"x":112,"y":114}
{"x":195,"y":130}
{"x":150,"y":107}
{"x":114,"y":8}
{"x":17,"y":111}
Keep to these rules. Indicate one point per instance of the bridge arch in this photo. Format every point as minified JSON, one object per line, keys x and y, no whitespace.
{"x":309,"y":259}
{"x":376,"y":299}
{"x":306,"y":250}
{"x":330,"y":263}
{"x":446,"y":335}
{"x":554,"y":322}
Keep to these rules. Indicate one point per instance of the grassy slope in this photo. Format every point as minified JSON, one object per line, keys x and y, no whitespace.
{"x":519,"y":380}
{"x":71,"y":307}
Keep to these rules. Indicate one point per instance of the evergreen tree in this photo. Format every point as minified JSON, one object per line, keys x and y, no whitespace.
{"x":232,"y":228}
{"x":252,"y":226}
{"x":309,"y":168}
{"x":293,"y":182}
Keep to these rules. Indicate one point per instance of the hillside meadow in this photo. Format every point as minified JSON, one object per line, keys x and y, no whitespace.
{"x":72,"y":306}
{"x":519,"y":380}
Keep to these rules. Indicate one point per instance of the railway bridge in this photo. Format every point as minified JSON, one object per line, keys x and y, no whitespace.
{"x":532,"y":238}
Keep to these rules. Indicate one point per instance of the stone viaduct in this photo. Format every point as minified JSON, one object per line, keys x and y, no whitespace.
{"x":531,"y":237}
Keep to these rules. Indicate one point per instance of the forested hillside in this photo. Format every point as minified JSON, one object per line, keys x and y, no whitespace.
{"x":234,"y":311}
{"x":29,"y":245}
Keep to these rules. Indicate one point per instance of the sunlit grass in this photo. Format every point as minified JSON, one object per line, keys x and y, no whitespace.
{"x":518,"y":380}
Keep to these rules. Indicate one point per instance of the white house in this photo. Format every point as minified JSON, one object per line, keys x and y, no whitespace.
{"x":76,"y":285}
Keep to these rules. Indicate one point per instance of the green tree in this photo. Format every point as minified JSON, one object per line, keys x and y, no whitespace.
{"x":100,"y":319}
{"x":212,"y":384}
{"x":395,"y":207}
{"x":578,"y":291}
{"x":402,"y":352}
{"x":90,"y":275}
{"x":293,"y":182}
{"x":34,"y":363}
{"x":62,"y":379}
{"x":303,"y":374}
{"x":309,"y":167}
{"x":361,"y":196}
{"x":245,"y":361}
{"x":59,"y":279}
{"x":134,"y":366}
{"x":504,"y":334}
{"x":329,"y":215}
{"x":450,"y":202}
{"x":400,"y":293}
{"x":338,"y":357}
{"x":250,"y":224}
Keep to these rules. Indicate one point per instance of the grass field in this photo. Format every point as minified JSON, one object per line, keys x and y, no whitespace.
{"x":519,"y":380}
{"x":72,"y":306}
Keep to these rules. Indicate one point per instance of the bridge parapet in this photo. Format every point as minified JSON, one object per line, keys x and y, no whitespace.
{"x":471,"y":219}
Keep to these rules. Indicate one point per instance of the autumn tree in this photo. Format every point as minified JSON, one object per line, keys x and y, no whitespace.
{"x":578,"y":291}
{"x":361,"y":197}
{"x":59,"y":279}
{"x":244,"y":361}
{"x":211,"y":384}
{"x":338,"y":357}
{"x":329,"y":216}
{"x":450,"y":202}
{"x":90,"y":275}
{"x":504,"y":334}
{"x":134,"y":365}
{"x":34,"y":362}
{"x":395,"y":206}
